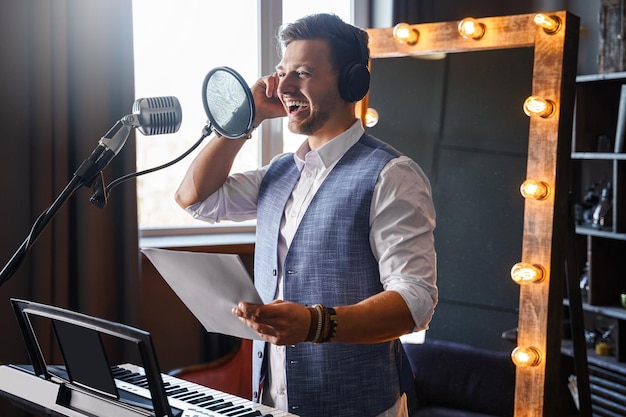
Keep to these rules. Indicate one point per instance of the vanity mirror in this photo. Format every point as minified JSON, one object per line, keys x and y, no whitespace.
{"x":551,"y":40}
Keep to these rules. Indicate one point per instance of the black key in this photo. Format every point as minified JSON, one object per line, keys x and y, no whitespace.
{"x":239,"y":413}
{"x":134,"y":379}
{"x":232,"y":410}
{"x":175,"y":390}
{"x":201,"y":399}
{"x":208,"y":403}
{"x":221,"y":406}
{"x":254,"y":413}
{"x":189,"y":396}
{"x":117,"y":371}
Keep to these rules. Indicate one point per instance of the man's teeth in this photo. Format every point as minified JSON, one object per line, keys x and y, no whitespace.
{"x":295,"y":105}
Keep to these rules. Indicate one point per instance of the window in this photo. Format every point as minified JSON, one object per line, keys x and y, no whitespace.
{"x":176,"y":43}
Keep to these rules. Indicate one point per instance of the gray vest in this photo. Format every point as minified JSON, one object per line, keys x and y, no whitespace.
{"x":329,"y":262}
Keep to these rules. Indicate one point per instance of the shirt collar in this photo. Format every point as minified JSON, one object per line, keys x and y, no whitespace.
{"x":333,"y":150}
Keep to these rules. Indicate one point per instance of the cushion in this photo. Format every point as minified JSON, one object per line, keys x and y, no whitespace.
{"x":463,"y":377}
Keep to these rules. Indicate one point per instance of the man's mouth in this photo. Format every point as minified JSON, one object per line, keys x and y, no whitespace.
{"x":295,"y":106}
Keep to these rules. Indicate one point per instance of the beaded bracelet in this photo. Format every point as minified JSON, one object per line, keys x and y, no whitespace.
{"x":324,"y":328}
{"x":332,"y":317}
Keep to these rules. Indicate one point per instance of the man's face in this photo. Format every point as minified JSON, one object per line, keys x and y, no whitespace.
{"x":308,"y":88}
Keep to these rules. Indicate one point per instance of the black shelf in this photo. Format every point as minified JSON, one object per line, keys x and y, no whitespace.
{"x":616,"y":311}
{"x":607,"y":362}
{"x":609,"y":76}
{"x":600,"y":100}
{"x":608,"y":156}
{"x":590,"y":231}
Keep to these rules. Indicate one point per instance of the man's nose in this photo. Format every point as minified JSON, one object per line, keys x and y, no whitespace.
{"x":286,"y":84}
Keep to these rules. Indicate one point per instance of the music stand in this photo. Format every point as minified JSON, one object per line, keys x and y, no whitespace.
{"x":86,"y":361}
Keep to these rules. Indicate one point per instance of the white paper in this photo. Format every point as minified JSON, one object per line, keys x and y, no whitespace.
{"x":209,"y":284}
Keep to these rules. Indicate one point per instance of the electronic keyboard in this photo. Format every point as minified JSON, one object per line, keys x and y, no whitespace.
{"x":186,"y":399}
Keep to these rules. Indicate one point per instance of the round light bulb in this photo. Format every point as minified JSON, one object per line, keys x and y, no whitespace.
{"x":524,"y":273}
{"x":470,"y":28}
{"x":550,"y":24}
{"x":537,"y":106}
{"x":526,"y":356}
{"x":371,"y":117}
{"x":537,"y":190}
{"x":404,"y":33}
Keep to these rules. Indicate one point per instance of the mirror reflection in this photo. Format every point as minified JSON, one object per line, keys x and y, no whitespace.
{"x":463,"y":123}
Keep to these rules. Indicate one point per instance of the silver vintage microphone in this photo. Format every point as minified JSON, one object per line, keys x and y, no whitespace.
{"x":151,"y":116}
{"x":157,"y":115}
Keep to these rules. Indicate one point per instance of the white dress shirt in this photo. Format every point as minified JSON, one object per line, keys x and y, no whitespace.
{"x":402,"y":220}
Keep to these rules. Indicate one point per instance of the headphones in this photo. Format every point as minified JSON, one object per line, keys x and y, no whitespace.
{"x":354,"y":78}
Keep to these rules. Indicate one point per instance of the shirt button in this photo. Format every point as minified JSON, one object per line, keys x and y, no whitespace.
{"x":281,"y":391}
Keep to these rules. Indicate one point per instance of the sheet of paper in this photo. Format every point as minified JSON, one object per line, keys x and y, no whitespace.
{"x":209,"y":284}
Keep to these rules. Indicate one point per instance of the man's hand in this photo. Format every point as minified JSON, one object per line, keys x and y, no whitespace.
{"x":279,"y":322}
{"x":266,"y":101}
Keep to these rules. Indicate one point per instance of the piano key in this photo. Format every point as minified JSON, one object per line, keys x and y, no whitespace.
{"x":232,"y":410}
{"x":186,"y":396}
{"x":198,"y":400}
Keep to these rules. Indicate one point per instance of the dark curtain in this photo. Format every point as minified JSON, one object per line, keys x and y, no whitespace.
{"x":67,"y":77}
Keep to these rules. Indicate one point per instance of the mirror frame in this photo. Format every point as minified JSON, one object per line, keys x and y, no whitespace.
{"x":546,"y":224}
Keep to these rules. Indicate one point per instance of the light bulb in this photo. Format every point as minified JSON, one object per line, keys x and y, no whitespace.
{"x":537,"y":190}
{"x":404,"y":33}
{"x":371,"y":117}
{"x":538,"y":106}
{"x":470,"y":28}
{"x":550,"y":24}
{"x":525,"y":273}
{"x":526,"y":356}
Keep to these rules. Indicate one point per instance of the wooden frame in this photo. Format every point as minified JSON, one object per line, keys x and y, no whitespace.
{"x":549,"y":147}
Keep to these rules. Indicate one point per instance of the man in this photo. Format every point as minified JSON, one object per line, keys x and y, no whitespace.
{"x":344,"y":257}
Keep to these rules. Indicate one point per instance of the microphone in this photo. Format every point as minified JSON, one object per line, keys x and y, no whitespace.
{"x":151,"y":116}
{"x":156,"y":115}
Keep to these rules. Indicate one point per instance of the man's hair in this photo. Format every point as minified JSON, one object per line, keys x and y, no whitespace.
{"x":347,"y":43}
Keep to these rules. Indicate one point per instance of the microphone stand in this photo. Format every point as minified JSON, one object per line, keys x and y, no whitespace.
{"x":36,"y":230}
{"x":85,"y":175}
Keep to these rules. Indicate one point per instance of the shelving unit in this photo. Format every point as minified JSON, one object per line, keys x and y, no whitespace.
{"x":602,"y":248}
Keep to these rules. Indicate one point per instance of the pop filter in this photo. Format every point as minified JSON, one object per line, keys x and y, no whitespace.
{"x":228,"y":103}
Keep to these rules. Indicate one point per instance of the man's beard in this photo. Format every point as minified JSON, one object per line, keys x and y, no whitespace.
{"x":310,"y":125}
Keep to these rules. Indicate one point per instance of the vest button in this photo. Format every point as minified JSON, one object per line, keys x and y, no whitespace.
{"x":274,"y":272}
{"x":255,"y":394}
{"x":259,"y":354}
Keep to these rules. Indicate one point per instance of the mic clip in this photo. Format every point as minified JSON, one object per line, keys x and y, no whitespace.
{"x":108,"y":146}
{"x":99,"y":197}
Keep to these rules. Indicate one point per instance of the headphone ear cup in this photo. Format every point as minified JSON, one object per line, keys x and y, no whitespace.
{"x":354,"y":81}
